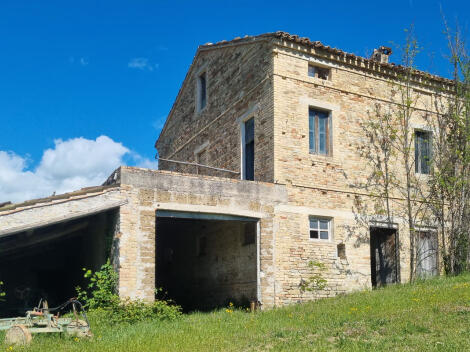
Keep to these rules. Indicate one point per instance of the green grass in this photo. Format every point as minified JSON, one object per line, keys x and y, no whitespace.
{"x":426,"y":316}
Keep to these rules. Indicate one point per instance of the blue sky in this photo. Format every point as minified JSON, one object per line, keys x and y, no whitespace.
{"x":113,"y":68}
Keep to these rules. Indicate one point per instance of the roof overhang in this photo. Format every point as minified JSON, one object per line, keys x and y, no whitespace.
{"x":45,"y":213}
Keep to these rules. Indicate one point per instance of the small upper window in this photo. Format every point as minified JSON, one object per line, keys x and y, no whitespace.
{"x":320,"y":228}
{"x":422,"y":152}
{"x":319,"y":72}
{"x":319,"y":131}
{"x":201,"y":91}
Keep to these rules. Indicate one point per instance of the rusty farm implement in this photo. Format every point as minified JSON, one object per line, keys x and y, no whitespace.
{"x":43,"y":319}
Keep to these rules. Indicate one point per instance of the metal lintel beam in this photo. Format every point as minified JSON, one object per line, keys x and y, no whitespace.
{"x":201,"y":216}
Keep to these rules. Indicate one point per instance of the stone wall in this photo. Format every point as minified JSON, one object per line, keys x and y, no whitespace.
{"x":331,"y":186}
{"x":147,"y":191}
{"x":238,"y":87}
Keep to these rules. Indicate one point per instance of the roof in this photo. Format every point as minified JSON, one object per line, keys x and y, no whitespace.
{"x":88,"y":191}
{"x":319,"y":45}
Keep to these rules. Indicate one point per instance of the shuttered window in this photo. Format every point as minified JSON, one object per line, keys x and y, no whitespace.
{"x":319,"y":131}
{"x":422,"y":152}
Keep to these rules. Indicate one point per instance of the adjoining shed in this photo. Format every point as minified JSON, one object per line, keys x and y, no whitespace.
{"x":46,"y":243}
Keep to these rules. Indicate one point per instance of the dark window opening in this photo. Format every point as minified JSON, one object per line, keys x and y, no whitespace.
{"x":202,"y":91}
{"x":318,"y":72}
{"x":341,"y":250}
{"x":249,"y":150}
{"x":319,"y":132}
{"x":422,"y":152}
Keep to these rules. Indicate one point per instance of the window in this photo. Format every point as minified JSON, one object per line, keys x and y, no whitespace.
{"x":201,"y":91}
{"x":249,"y":234}
{"x":341,"y":250}
{"x":422,"y":152}
{"x":320,"y":228}
{"x":249,"y":149}
{"x":319,"y":131}
{"x":318,"y":72}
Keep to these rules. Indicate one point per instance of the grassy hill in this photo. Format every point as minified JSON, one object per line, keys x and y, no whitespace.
{"x":426,"y":316}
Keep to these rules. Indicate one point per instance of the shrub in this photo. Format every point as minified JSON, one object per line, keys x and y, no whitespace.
{"x":104,"y":304}
{"x":131,"y":311}
{"x":2,"y":293}
{"x":101,"y":288}
{"x":316,"y":281}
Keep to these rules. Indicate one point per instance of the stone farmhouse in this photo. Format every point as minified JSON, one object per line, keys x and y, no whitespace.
{"x":258,"y":162}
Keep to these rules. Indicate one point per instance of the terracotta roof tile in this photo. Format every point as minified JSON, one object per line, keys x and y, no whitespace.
{"x":319,"y":45}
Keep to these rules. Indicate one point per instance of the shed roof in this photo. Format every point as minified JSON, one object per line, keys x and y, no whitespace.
{"x":87,"y":191}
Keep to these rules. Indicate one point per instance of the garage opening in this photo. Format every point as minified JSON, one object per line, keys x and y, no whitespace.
{"x":383,"y":256}
{"x":205,"y":261}
{"x":46,"y":262}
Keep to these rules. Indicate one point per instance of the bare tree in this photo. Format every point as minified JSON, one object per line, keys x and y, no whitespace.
{"x":450,"y":181}
{"x":390,"y":152}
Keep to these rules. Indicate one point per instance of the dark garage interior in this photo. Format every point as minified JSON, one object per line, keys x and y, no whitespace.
{"x":205,"y":261}
{"x":46,"y":262}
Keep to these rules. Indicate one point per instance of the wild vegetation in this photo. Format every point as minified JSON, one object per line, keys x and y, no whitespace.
{"x":433,"y":193}
{"x":450,"y":177}
{"x":2,"y":294}
{"x":102,"y":301}
{"x":431,"y":315}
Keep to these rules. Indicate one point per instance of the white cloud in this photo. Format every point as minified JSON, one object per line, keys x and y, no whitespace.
{"x":70,"y":165}
{"x":142,"y":63}
{"x":159,"y":123}
{"x":140,"y":161}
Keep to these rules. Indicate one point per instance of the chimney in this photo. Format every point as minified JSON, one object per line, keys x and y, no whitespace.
{"x":381,"y":54}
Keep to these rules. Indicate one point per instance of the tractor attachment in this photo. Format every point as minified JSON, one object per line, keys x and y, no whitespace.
{"x":42,"y":320}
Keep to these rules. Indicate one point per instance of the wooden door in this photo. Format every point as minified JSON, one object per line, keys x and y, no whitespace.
{"x":383,"y":255}
{"x":426,"y":254}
